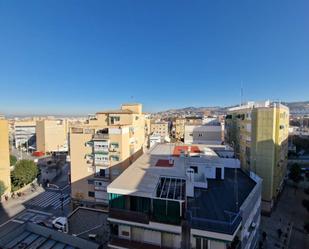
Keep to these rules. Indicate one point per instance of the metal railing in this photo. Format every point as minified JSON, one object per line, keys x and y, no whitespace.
{"x":128,"y":215}
{"x":99,"y":136}
{"x":227,"y":227}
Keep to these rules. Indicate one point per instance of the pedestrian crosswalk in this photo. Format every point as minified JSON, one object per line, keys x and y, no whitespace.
{"x":49,"y":199}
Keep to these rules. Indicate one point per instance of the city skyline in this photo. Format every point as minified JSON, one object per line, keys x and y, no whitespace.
{"x":74,"y":59}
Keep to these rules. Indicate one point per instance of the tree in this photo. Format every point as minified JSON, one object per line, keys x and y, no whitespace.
{"x":2,"y":188}
{"x":306,"y":204}
{"x":306,"y":227}
{"x":25,"y":172}
{"x":13,"y":160}
{"x":295,"y":173}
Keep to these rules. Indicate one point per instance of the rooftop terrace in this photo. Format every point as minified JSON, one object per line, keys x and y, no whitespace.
{"x":217,"y":208}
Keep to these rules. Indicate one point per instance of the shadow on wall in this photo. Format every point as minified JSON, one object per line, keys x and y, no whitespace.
{"x":84,"y":190}
{"x":266,"y":156}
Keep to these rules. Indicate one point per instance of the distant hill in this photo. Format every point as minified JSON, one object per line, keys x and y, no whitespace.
{"x":301,"y":107}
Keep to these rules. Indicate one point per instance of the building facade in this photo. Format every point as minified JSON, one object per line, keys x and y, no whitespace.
{"x":24,"y":132}
{"x":5,"y":155}
{"x":180,"y":125}
{"x":101,"y":149}
{"x":52,"y":135}
{"x":160,"y":128}
{"x":184,"y":197}
{"x":211,"y":133}
{"x":259,"y":134}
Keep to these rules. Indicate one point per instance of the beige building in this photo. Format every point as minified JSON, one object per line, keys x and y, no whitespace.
{"x":160,"y":128}
{"x":180,"y":125}
{"x":52,"y":135}
{"x":4,"y":154}
{"x":259,"y":134}
{"x":24,"y":131}
{"x":101,"y":149}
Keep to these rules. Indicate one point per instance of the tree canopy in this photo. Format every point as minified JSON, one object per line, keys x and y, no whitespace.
{"x":13,"y":160}
{"x":25,"y":172}
{"x":295,"y":173}
{"x":2,"y":188}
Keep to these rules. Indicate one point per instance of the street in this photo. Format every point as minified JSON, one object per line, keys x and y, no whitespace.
{"x":41,"y":204}
{"x":289,"y":216}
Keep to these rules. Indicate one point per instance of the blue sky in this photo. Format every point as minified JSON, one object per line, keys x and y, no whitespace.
{"x":77,"y":57}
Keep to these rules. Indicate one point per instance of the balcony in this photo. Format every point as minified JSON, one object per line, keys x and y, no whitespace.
{"x":100,"y":136}
{"x":128,"y":215}
{"x":226,"y":227}
{"x":101,"y":163}
{"x":130,"y":244}
{"x":98,"y":175}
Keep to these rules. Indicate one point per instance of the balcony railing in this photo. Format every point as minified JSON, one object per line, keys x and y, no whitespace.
{"x":101,"y":163}
{"x":216,"y":225}
{"x":100,"y":136}
{"x":124,"y":243}
{"x":101,"y":177}
{"x":128,"y":215}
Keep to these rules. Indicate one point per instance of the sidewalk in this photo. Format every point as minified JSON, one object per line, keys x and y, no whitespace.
{"x":15,"y":206}
{"x":289,"y":216}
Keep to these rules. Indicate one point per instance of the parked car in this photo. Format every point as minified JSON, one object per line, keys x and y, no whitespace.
{"x":60,"y":223}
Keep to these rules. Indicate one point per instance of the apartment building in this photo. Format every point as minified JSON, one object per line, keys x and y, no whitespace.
{"x":259,"y":133}
{"x":180,"y":125}
{"x":4,"y":154}
{"x":185,"y":197}
{"x":24,"y":133}
{"x":103,"y":148}
{"x":52,"y":135}
{"x":160,"y":128}
{"x":211,"y":132}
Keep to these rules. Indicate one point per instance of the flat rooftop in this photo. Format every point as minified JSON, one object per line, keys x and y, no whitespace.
{"x":30,"y":235}
{"x":219,"y":199}
{"x":163,"y":160}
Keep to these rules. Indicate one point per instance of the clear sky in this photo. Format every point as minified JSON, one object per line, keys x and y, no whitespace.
{"x":78,"y":57}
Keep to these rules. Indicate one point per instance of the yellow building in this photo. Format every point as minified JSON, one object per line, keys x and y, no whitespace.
{"x":159,"y":128}
{"x":52,"y":135}
{"x":4,"y":155}
{"x":101,"y":149}
{"x":259,"y":134}
{"x":180,"y":125}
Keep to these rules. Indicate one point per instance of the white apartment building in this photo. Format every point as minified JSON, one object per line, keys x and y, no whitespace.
{"x":24,"y":131}
{"x":209,"y":133}
{"x":184,"y":197}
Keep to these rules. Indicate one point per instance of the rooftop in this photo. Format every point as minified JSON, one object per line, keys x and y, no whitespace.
{"x":116,"y":111}
{"x":84,"y":221}
{"x":219,"y":201}
{"x":143,"y":176}
{"x":30,"y":235}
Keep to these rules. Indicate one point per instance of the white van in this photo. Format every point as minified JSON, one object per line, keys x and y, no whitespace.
{"x":60,"y":223}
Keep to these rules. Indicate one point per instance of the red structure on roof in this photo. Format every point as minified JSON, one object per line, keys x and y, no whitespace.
{"x":165,"y":163}
{"x":179,"y":149}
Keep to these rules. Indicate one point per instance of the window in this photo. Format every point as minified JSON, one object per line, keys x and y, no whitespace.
{"x":195,"y":168}
{"x":90,"y":181}
{"x":115,"y":158}
{"x":115,"y":119}
{"x":90,"y":193}
{"x":114,"y":145}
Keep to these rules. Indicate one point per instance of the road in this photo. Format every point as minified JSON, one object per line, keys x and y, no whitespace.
{"x":39,"y":204}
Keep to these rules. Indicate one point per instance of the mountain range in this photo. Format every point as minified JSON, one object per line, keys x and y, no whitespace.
{"x":299,"y":107}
